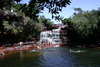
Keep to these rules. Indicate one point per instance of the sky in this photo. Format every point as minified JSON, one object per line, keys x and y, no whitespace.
{"x":68,"y":11}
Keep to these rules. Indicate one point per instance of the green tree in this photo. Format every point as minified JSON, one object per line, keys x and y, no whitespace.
{"x":46,"y":22}
{"x":54,"y":7}
{"x":66,"y":21}
{"x":85,"y":26}
{"x":13,"y":14}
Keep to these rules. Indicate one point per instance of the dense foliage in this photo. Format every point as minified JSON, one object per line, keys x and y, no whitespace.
{"x":21,"y":22}
{"x":84,"y":26}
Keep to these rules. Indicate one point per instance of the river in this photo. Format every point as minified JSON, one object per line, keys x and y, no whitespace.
{"x":53,"y":57}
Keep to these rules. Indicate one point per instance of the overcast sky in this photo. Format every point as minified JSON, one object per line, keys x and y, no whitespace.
{"x":68,"y":11}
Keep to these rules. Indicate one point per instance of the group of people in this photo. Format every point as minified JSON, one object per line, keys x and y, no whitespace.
{"x":41,"y":44}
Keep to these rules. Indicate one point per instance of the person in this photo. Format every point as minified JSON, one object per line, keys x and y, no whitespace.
{"x":39,"y":47}
{"x":78,"y":51}
{"x":42,"y":42}
{"x":2,"y":53}
{"x":21,"y":43}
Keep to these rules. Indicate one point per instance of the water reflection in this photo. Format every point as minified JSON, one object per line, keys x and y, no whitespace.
{"x":53,"y":57}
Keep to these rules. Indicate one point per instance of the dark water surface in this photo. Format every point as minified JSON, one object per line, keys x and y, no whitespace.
{"x":54,"y":57}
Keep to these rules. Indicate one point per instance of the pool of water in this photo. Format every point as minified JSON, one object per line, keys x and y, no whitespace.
{"x":54,"y":57}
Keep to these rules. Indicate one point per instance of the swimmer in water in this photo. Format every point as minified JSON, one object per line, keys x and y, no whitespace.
{"x":78,"y":51}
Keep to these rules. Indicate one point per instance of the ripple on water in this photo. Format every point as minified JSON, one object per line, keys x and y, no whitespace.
{"x":53,"y":57}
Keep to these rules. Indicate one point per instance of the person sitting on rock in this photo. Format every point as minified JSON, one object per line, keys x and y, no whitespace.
{"x":2,"y":53}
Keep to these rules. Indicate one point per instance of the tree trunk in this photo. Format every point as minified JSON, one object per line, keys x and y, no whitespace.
{"x":1,"y":26}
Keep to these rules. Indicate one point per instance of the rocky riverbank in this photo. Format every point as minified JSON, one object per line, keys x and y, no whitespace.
{"x":28,"y":46}
{"x":23,"y":47}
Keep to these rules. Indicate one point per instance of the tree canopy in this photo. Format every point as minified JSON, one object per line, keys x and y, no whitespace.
{"x":85,"y":25}
{"x":20,"y":21}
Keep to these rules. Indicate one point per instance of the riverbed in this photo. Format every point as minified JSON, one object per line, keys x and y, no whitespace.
{"x":53,"y":57}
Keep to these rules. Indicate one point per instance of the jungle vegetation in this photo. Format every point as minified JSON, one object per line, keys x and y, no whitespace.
{"x":21,"y":22}
{"x":84,"y":27}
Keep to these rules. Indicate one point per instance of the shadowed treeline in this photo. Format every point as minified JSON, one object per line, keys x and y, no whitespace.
{"x":84,"y":27}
